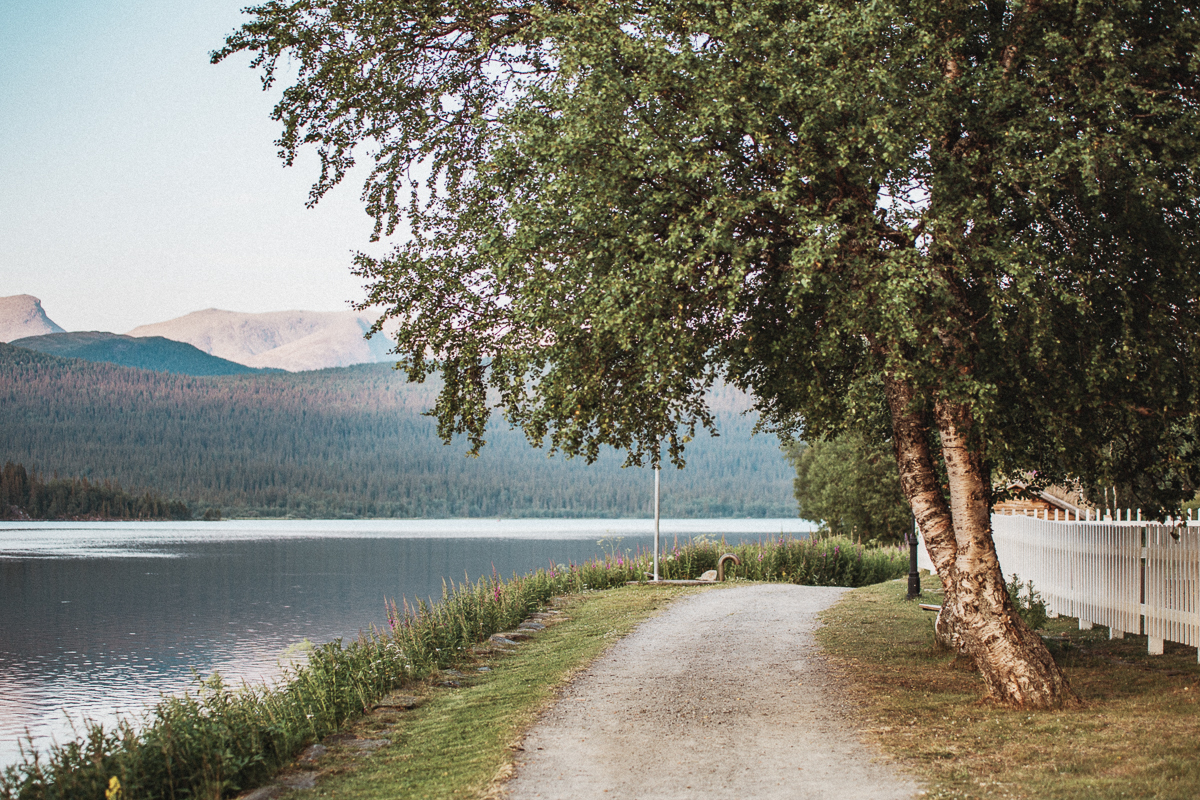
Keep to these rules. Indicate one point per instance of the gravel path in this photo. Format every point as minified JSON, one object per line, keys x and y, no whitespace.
{"x":724,"y":695}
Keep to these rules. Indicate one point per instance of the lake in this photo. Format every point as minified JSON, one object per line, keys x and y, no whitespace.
{"x":99,"y":619}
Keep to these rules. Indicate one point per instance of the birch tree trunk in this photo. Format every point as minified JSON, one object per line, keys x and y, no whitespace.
{"x":919,"y":481}
{"x":977,"y":616}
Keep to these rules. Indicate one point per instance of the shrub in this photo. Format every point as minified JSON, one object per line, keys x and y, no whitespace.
{"x":1028,"y":603}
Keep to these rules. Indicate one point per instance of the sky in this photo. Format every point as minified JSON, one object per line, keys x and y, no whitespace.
{"x":139,"y":182}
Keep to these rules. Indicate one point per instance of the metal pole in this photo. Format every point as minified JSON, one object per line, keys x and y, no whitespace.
{"x":914,"y":576}
{"x":656,"y":471}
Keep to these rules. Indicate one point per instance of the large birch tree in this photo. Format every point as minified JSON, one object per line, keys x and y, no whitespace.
{"x":979,"y":218}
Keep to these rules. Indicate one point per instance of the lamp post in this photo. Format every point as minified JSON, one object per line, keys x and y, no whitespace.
{"x":914,"y":576}
{"x":656,"y":496}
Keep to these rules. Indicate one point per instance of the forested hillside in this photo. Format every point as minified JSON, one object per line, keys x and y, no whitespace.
{"x":344,"y":442}
{"x":25,"y":495}
{"x":149,"y":352}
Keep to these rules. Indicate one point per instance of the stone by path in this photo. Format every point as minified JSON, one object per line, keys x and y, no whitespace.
{"x":724,"y":695}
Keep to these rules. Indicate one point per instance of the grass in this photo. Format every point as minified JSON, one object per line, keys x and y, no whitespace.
{"x":460,"y":741}
{"x":1137,"y":734}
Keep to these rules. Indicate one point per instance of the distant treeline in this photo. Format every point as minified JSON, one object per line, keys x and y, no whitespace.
{"x":350,"y":442}
{"x":24,"y":495}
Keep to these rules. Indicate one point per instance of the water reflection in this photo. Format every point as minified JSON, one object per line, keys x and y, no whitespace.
{"x":100,"y":618}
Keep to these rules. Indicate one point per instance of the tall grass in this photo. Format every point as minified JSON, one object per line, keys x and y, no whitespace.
{"x":218,"y":740}
{"x":831,"y":561}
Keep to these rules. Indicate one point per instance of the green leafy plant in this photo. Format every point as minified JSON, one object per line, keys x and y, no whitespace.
{"x":1028,"y":602}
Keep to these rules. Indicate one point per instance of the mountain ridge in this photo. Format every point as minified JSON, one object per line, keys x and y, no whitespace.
{"x":151,"y":352}
{"x":293,"y":340}
{"x":22,"y":315}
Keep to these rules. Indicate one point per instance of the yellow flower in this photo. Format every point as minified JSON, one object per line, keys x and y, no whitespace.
{"x":114,"y":789}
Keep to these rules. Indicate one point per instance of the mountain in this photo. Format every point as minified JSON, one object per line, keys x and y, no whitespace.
{"x":151,"y":352}
{"x":21,"y":315}
{"x":347,"y":442}
{"x":289,"y":340}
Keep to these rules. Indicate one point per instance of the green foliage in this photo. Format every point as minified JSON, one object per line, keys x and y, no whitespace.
{"x":993,"y":204}
{"x":342,"y":443}
{"x":851,"y":487}
{"x":1028,"y":602}
{"x":219,"y":740}
{"x":25,"y":495}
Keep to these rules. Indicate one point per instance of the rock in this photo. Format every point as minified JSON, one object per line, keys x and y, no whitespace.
{"x":397,"y":702}
{"x":496,"y":638}
{"x":711,"y":575}
{"x":530,"y":625}
{"x":299,"y":780}
{"x":453,"y":673}
{"x":339,"y":738}
{"x":484,"y":669}
{"x":449,"y":684}
{"x":312,"y":753}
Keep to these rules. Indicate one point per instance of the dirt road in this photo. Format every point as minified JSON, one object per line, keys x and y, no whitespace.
{"x":724,"y":695}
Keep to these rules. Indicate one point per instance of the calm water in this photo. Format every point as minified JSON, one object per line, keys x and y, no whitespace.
{"x":98,"y":619}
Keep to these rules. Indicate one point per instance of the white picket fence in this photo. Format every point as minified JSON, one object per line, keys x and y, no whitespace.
{"x":1126,"y":574}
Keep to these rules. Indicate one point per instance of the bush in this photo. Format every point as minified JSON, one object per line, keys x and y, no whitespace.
{"x":1028,"y":602}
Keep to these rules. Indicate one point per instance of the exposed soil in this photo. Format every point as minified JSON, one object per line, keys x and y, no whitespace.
{"x":724,"y":695}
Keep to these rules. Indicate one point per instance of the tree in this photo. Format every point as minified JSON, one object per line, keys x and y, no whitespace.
{"x":979,"y":218}
{"x":851,"y":486}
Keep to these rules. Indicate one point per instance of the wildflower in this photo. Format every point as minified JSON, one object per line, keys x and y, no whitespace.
{"x":114,"y":789}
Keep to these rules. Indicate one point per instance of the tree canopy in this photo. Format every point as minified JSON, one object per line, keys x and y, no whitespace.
{"x":977,"y":220}
{"x":851,"y":487}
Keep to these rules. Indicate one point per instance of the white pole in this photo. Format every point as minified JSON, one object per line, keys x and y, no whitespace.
{"x":656,"y":472}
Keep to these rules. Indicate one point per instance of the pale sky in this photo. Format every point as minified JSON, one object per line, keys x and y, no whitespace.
{"x":138,"y":182}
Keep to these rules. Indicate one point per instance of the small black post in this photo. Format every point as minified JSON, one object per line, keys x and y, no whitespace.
{"x":914,"y":576}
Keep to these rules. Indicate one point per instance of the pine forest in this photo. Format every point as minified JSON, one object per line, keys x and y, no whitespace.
{"x":344,"y":443}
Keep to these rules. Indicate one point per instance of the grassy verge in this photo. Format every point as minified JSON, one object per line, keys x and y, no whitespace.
{"x":1137,"y":735}
{"x":460,"y":740}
